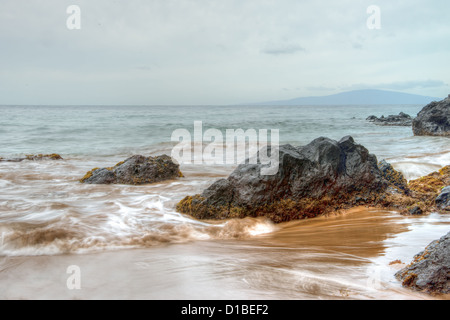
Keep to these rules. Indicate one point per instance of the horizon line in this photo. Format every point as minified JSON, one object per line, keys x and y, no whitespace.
{"x":264,"y":103}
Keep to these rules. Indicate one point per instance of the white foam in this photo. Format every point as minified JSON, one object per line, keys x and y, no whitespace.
{"x":261,"y":228}
{"x":4,"y":183}
{"x":419,"y":166}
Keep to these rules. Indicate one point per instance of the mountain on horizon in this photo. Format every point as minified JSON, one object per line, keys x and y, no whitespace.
{"x":358,"y":97}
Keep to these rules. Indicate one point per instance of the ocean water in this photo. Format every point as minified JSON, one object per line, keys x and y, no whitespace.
{"x":49,"y":220}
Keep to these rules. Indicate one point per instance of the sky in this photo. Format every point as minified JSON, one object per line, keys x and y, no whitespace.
{"x":214,"y":52}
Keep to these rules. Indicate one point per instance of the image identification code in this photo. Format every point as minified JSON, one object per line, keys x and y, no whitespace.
{"x":238,"y":309}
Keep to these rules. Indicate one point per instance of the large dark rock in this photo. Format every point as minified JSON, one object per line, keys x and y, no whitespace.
{"x":402,"y":119}
{"x":430,"y":269}
{"x":322,"y":176}
{"x":433,"y":120}
{"x":136,"y":170}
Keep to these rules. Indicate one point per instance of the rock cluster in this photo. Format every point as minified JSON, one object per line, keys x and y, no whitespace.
{"x":402,"y":119}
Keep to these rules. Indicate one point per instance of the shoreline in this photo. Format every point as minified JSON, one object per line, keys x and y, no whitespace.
{"x":44,"y":201}
{"x":281,"y":265}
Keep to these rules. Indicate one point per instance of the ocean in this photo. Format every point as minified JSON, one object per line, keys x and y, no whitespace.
{"x":130,"y":243}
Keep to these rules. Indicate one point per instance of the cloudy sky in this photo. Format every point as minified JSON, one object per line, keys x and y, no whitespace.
{"x":218,"y":51}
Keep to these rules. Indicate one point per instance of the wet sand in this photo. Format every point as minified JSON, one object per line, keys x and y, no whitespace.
{"x":346,"y":256}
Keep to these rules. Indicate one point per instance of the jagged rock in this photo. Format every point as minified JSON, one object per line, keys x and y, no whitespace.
{"x":434,"y":119}
{"x":402,"y":119}
{"x":430,"y":269}
{"x":136,"y":170}
{"x":322,"y":176}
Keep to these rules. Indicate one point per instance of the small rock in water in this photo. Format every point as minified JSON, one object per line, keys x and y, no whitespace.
{"x":136,"y":170}
{"x":402,"y":119}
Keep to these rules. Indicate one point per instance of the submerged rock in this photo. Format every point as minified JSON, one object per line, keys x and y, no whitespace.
{"x":430,"y":269}
{"x":136,"y":170}
{"x":434,"y":119}
{"x":34,"y":157}
{"x":322,"y":176}
{"x":402,"y":119}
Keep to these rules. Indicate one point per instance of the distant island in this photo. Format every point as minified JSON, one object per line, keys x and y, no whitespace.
{"x":357,"y":97}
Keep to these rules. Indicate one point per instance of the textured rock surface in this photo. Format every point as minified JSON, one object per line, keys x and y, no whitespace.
{"x":322,"y":176}
{"x":136,"y":170}
{"x":430,"y":269}
{"x":443,"y":200}
{"x":394,"y":177}
{"x":433,"y":120}
{"x":402,"y":119}
{"x":426,"y":190}
{"x":433,"y":183}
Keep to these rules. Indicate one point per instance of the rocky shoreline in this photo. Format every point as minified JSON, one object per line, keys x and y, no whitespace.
{"x":326,"y":176}
{"x":322,"y":177}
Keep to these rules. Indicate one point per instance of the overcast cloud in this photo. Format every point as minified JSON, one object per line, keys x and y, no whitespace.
{"x":217,"y":51}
